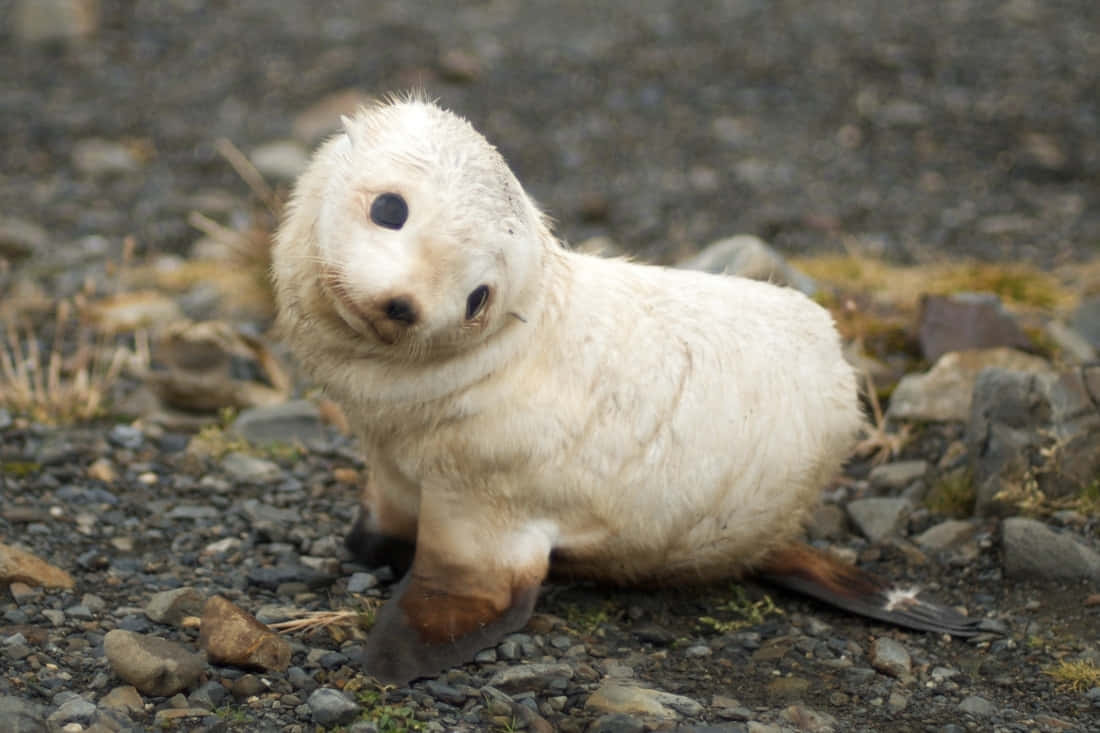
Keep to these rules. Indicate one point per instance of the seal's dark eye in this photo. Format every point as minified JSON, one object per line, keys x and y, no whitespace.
{"x":389,"y":210}
{"x":476,"y":300}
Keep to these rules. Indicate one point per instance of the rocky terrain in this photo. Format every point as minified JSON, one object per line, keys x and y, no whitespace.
{"x":173,"y":497}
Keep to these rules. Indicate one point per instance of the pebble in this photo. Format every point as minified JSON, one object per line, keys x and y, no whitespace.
{"x":297,"y":420}
{"x":890,"y":657}
{"x":897,"y":476}
{"x":153,"y":665}
{"x":282,"y":160}
{"x":232,"y":636}
{"x":172,"y":606}
{"x":20,"y":566}
{"x":978,"y":707}
{"x":808,"y":720}
{"x":77,"y":710}
{"x":97,"y":157}
{"x":20,"y":238}
{"x":247,"y":469}
{"x":966,"y":321}
{"x":879,"y":517}
{"x":126,"y":436}
{"x":359,"y":582}
{"x":331,"y":707}
{"x":946,"y":534}
{"x":124,"y":698}
{"x":1033,"y":550}
{"x":629,"y":700}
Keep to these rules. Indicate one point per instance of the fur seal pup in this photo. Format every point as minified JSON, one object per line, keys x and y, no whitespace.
{"x":522,"y":405}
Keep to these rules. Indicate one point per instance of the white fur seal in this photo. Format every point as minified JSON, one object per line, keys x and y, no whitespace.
{"x":521,"y":404}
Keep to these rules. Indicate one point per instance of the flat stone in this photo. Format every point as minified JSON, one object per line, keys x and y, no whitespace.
{"x":169,"y":717}
{"x":53,"y":20}
{"x":748,"y":256}
{"x":232,"y":636}
{"x":77,"y":710}
{"x":247,"y":469}
{"x":979,"y":707}
{"x":331,"y":707}
{"x":1033,"y":550}
{"x":966,"y":321}
{"x":630,"y":700}
{"x":172,"y":606}
{"x":944,"y":392}
{"x":890,"y":657}
{"x":897,"y":476}
{"x":946,"y":534}
{"x":21,"y":716}
{"x":154,"y":666}
{"x":125,"y":699}
{"x":808,"y":720}
{"x":20,"y":566}
{"x":297,"y":420}
{"x":535,"y":676}
{"x":879,"y":517}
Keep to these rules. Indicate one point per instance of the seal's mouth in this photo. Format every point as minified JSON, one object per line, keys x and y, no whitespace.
{"x":356,"y":317}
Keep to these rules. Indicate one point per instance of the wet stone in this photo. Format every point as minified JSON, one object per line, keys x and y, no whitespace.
{"x":978,"y":707}
{"x":154,"y":666}
{"x":890,"y":657}
{"x":331,"y":707}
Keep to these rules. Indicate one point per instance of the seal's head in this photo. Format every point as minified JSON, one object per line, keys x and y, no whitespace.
{"x":407,"y":234}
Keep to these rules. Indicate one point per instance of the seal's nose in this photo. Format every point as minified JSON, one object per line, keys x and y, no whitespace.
{"x":401,"y":309}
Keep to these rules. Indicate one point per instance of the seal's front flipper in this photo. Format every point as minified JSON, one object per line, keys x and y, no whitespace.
{"x":462,"y":595}
{"x":819,"y":575}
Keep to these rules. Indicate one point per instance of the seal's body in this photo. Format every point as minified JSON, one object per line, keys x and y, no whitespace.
{"x":518,"y":401}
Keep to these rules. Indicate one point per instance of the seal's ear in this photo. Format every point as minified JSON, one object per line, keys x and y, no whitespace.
{"x":458,"y":598}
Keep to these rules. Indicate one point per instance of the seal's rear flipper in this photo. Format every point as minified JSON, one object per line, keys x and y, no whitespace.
{"x":819,"y":575}
{"x":469,"y":587}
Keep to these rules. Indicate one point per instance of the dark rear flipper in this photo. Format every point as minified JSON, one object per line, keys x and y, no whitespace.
{"x":819,"y":575}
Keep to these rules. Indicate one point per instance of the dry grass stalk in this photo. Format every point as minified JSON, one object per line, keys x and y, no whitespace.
{"x":880,"y":445}
{"x":314,"y":621}
{"x":57,"y":388}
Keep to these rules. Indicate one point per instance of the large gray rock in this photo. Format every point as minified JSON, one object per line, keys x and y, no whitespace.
{"x":1033,"y":550}
{"x":747,"y":256}
{"x":154,"y":666}
{"x":966,"y":321}
{"x":1031,"y":432}
{"x":944,"y":392}
{"x":612,"y":697}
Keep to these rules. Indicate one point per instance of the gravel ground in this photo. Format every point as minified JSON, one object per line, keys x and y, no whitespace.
{"x":917,"y":132}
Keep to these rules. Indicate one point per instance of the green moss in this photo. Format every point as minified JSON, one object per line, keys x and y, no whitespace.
{"x":746,"y":612}
{"x":20,"y":469}
{"x":587,"y":620}
{"x":953,"y":495}
{"x":386,"y":718}
{"x":1078,"y":675}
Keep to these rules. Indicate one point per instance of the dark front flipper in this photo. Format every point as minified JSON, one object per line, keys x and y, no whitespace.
{"x":819,"y":575}
{"x":471,"y":584}
{"x":375,"y":549}
{"x":421,"y":632}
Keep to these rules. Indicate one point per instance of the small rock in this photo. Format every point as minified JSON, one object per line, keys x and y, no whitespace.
{"x":17,"y":565}
{"x":154,"y":666}
{"x":897,"y":476}
{"x":890,"y":657}
{"x":1074,"y":346}
{"x":446,"y":693}
{"x":811,"y":721}
{"x":282,"y":160}
{"x":51,"y":20}
{"x":616,"y":723}
{"x":359,"y":582}
{"x":297,"y":420}
{"x":1086,"y":320}
{"x":330,"y":707}
{"x":77,"y":710}
{"x":966,"y":321}
{"x":944,"y":392}
{"x":786,"y":688}
{"x":21,"y":716}
{"x":978,"y":707}
{"x":828,"y":522}
{"x":232,"y":636}
{"x":459,"y":66}
{"x":172,"y":606}
{"x":878,"y":518}
{"x":322,"y":118}
{"x":170,"y":717}
{"x":20,"y":238}
{"x":946,"y":534}
{"x":630,"y":700}
{"x":1033,"y":550}
{"x":98,"y":157}
{"x":747,"y":256}
{"x":247,"y":469}
{"x":102,"y":470}
{"x":522,"y":677}
{"x":125,"y":699}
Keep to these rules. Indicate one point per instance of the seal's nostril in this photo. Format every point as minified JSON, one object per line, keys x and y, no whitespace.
{"x":400,"y":309}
